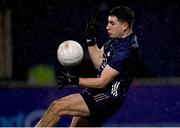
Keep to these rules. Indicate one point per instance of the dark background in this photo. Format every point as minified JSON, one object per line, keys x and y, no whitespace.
{"x":39,"y":26}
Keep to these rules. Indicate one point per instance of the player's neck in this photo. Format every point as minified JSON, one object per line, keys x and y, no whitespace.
{"x":127,"y":33}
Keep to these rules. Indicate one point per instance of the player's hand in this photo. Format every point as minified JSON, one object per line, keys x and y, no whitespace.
{"x":66,"y":79}
{"x":92,"y":29}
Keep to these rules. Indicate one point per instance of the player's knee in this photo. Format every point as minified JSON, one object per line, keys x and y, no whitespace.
{"x":57,"y":106}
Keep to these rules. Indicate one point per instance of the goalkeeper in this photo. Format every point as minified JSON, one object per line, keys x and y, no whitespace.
{"x":116,"y":62}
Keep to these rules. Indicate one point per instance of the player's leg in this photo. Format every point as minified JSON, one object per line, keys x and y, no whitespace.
{"x":70,"y":105}
{"x":74,"y":121}
{"x":78,"y":121}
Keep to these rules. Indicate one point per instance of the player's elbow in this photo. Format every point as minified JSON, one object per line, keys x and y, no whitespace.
{"x":97,"y":63}
{"x":102,"y":83}
{"x":96,"y":66}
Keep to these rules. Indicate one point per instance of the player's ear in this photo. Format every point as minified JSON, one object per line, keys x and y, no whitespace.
{"x":125,"y":26}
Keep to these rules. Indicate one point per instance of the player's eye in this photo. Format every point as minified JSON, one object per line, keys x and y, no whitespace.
{"x":112,"y":23}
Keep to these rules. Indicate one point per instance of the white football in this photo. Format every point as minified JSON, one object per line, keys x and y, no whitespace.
{"x":70,"y":53}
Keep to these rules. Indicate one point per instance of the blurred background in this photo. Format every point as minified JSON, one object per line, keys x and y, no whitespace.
{"x":31,"y":31}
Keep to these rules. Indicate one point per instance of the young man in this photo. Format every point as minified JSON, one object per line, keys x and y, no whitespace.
{"x":116,"y":64}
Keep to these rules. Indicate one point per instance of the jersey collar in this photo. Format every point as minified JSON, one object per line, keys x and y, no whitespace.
{"x":127,"y":41}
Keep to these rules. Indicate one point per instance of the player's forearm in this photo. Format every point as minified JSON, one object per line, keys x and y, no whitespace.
{"x":95,"y":55}
{"x":107,"y":76}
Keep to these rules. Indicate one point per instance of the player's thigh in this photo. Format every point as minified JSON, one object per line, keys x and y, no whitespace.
{"x":74,"y":104}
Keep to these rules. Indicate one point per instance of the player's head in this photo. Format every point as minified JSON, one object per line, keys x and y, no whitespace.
{"x":120,"y":21}
{"x":124,"y":14}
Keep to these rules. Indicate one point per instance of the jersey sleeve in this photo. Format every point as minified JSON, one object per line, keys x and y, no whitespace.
{"x":118,"y":60}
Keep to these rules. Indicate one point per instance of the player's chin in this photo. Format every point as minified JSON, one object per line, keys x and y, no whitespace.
{"x":111,"y":36}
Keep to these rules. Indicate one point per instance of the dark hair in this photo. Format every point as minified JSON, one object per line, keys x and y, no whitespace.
{"x":123,"y":13}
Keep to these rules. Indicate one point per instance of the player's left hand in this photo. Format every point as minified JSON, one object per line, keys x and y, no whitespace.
{"x":92,"y":29}
{"x":66,"y":79}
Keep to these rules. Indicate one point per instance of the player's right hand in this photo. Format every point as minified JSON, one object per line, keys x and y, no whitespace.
{"x":92,"y":29}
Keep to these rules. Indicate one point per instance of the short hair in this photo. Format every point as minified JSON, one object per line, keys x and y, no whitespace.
{"x":123,"y":13}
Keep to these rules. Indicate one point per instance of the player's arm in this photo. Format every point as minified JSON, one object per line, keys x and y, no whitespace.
{"x":92,"y":29}
{"x":96,"y":55}
{"x":106,"y":77}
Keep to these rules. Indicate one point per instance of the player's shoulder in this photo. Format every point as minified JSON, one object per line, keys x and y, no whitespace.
{"x":121,"y":52}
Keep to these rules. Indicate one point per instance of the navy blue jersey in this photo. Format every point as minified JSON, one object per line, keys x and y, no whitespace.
{"x":121,"y":55}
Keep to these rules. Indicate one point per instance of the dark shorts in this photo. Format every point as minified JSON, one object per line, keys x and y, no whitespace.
{"x":101,"y":105}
